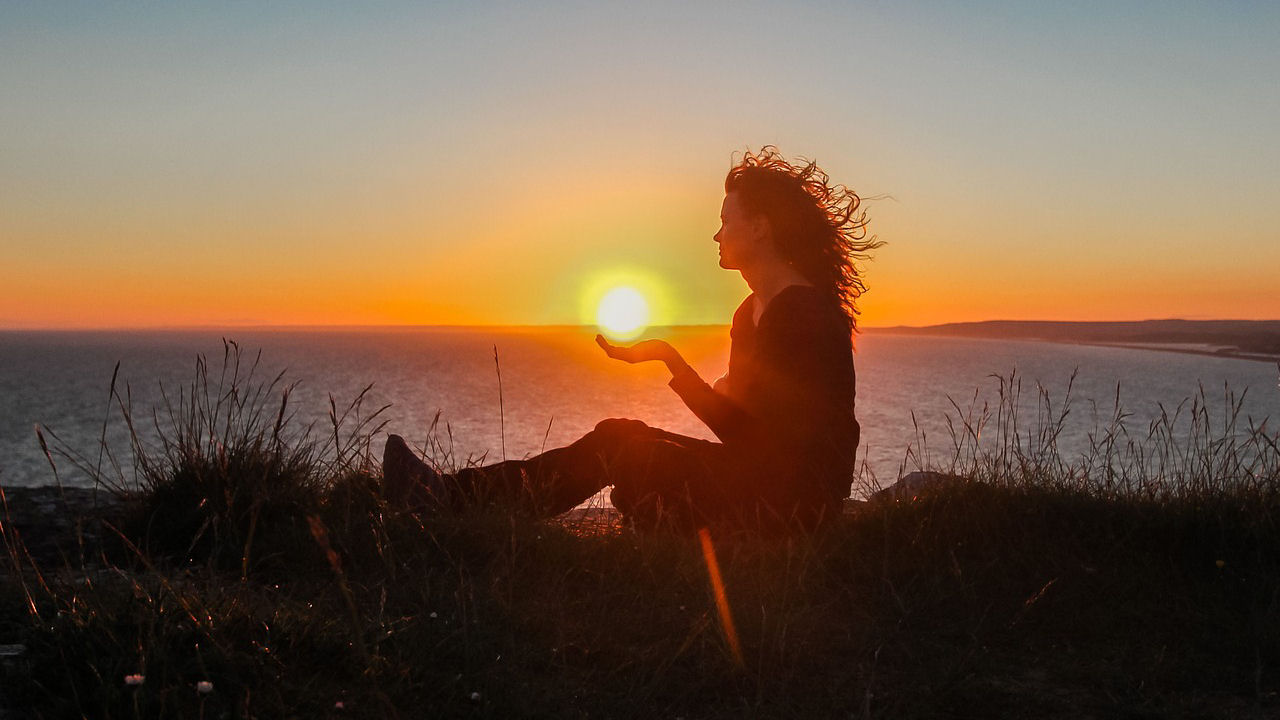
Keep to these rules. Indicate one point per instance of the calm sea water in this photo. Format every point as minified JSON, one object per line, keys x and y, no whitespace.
{"x":556,"y":384}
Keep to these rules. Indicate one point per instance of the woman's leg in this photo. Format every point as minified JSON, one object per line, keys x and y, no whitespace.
{"x":617,"y":450}
{"x":547,"y":484}
{"x":656,"y":476}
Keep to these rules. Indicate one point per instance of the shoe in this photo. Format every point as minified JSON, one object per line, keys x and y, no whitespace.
{"x":407,"y":481}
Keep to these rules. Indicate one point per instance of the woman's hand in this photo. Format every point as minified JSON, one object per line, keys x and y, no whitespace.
{"x":721,"y":385}
{"x":644,"y":351}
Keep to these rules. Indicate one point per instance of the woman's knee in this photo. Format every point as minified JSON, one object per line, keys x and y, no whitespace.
{"x":621,"y":424}
{"x":619,"y":429}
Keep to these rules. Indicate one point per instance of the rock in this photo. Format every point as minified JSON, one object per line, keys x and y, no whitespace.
{"x":914,"y":484}
{"x":49,"y":521}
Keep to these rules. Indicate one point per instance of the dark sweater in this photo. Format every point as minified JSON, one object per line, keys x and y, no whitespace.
{"x":791,"y":394}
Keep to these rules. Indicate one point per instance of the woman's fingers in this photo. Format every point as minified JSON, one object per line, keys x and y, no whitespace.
{"x":613,"y":351}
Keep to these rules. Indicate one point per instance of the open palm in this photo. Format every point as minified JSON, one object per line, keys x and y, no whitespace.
{"x":643,"y":351}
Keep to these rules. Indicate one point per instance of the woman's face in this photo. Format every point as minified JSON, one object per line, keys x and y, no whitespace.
{"x":740,"y":235}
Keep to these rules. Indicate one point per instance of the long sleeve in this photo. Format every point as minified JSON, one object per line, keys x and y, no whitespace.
{"x":727,"y":419}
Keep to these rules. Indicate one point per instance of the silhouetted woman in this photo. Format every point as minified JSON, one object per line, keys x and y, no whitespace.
{"x":784,"y":412}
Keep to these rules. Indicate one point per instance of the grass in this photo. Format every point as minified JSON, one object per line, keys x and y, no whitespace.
{"x":1140,"y":580}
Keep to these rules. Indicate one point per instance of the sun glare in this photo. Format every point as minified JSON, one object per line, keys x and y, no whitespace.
{"x":623,"y":313}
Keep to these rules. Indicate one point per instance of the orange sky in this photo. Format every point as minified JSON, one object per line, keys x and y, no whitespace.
{"x":488,"y":166}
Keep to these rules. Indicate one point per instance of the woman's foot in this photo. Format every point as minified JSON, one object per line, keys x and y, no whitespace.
{"x":407,"y":481}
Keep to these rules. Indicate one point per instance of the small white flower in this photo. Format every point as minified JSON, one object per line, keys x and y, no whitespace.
{"x":475,"y":697}
{"x":204,"y":687}
{"x":134,"y":680}
{"x":433,"y":616}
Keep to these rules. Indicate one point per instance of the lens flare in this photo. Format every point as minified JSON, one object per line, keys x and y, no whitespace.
{"x":722,"y":600}
{"x":623,"y":313}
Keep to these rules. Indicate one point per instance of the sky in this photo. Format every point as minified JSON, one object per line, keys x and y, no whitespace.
{"x":237,"y":163}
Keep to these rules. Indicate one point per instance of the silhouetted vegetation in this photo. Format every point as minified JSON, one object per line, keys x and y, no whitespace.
{"x":256,"y":571}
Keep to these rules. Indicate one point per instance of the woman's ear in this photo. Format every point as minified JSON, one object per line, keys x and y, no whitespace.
{"x":761,"y":228}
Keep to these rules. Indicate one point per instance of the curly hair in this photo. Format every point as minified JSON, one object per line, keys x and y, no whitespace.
{"x":818,"y":227}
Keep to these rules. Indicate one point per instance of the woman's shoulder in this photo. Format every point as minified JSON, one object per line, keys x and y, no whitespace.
{"x":799,"y":300}
{"x":804,"y":310}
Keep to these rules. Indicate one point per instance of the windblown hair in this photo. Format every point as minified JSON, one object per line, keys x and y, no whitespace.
{"x":818,"y":227}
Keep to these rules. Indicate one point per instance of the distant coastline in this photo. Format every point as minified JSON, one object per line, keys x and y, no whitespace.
{"x":1257,"y":340}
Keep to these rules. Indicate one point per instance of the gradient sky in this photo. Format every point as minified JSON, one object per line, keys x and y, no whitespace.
{"x":473,"y":163}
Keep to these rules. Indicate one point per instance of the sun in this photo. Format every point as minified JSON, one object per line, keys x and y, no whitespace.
{"x":623,"y":313}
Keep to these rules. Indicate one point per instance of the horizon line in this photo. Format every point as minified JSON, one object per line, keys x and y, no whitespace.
{"x":539,"y":326}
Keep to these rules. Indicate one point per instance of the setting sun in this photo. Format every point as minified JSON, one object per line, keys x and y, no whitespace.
{"x":623,"y":313}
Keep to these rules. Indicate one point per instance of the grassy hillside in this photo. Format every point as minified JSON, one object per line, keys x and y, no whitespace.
{"x":257,"y":572}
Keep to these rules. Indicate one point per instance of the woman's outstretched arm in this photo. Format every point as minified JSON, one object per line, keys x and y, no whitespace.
{"x":726,"y":418}
{"x":646,"y":351}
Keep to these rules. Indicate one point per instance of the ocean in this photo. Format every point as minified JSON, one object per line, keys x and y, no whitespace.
{"x":555,"y":384}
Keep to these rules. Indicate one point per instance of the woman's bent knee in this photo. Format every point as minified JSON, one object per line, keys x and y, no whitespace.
{"x":621,"y":429}
{"x":621,"y":424}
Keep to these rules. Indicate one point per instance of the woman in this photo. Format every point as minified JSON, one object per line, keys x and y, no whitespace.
{"x":784,"y":412}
